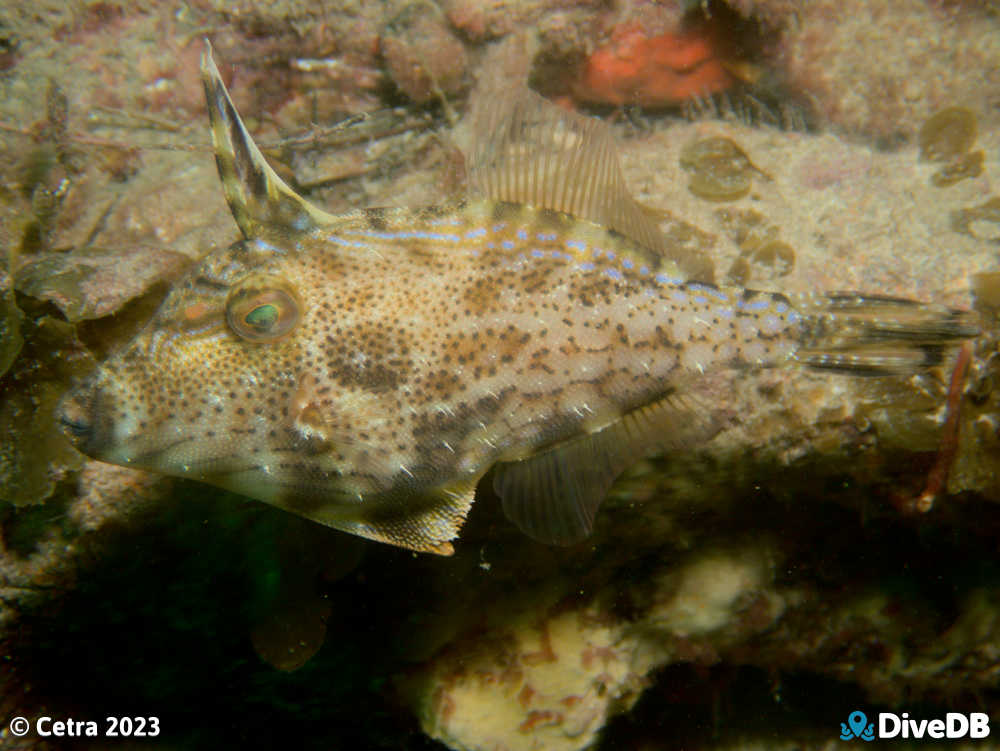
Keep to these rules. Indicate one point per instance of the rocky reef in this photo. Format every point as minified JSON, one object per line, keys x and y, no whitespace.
{"x":834,"y":548}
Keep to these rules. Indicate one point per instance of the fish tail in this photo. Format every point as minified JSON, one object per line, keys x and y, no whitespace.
{"x":876,"y":336}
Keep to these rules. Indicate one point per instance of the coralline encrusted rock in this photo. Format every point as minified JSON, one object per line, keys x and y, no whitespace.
{"x":551,"y":676}
{"x":37,"y":561}
{"x":881,"y":69}
{"x":777,"y":546}
{"x":424,"y":58}
{"x":92,"y":283}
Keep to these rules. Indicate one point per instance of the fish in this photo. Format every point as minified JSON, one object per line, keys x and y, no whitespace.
{"x":367,"y":370}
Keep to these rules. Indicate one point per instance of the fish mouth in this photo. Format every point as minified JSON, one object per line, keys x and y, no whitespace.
{"x":95,"y":421}
{"x":85,"y":419}
{"x":92,"y":418}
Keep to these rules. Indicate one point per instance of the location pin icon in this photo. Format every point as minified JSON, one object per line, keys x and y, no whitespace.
{"x":857,"y":721}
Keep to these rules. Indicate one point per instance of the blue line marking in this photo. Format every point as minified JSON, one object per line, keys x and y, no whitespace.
{"x":478,"y":232}
{"x":711,"y":291}
{"x":679,"y":296}
{"x":576,"y":245}
{"x":627,"y":263}
{"x":701,"y":299}
{"x":271,"y":248}
{"x":522,"y":235}
{"x":537,"y":253}
{"x":507,"y":244}
{"x":408,"y":235}
{"x":586,"y":267}
{"x":614,"y":273}
{"x":664,"y":279}
{"x":499,"y":227}
{"x":337,"y":240}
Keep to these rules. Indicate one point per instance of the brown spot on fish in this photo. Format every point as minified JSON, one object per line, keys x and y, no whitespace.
{"x":480,"y":297}
{"x":376,"y":219}
{"x":369,"y":355}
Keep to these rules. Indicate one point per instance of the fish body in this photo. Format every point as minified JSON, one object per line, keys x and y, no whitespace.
{"x":366,"y":370}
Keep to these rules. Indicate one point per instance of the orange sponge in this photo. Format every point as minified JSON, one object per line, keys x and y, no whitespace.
{"x":652,"y":71}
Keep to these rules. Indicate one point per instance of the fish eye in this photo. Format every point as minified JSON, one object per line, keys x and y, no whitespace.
{"x":262,"y":318}
{"x":262,"y":309}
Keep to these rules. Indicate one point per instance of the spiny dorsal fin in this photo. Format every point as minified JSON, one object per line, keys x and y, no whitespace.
{"x":554,"y":495}
{"x":258,"y":198}
{"x":527,"y":150}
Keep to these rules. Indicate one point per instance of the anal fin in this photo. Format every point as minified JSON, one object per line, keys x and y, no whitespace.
{"x":426,"y":522}
{"x":553,"y":495}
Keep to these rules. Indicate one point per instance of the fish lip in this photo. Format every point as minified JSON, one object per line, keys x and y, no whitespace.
{"x":84,"y":418}
{"x":75,"y":428}
{"x":75,"y":417}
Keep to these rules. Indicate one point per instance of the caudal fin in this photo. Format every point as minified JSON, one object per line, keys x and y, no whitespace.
{"x":877,"y":336}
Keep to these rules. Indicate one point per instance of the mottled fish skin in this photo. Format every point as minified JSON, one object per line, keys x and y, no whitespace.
{"x":431,"y":344}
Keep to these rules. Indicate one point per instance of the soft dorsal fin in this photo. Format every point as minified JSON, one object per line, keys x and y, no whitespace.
{"x":528,"y":150}
{"x":258,"y":198}
{"x":554,"y":495}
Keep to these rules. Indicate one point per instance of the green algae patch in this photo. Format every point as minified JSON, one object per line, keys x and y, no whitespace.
{"x":763,"y":255}
{"x":35,"y":454}
{"x":720,"y":170}
{"x":947,"y":134}
{"x":981,"y":222}
{"x":11,"y":340}
{"x":947,"y":137}
{"x":986,"y":293}
{"x":967,"y":165}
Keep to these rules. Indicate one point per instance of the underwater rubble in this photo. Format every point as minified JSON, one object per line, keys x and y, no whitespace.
{"x":782,"y":571}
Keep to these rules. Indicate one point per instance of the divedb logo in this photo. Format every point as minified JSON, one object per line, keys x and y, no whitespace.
{"x":974,"y":725}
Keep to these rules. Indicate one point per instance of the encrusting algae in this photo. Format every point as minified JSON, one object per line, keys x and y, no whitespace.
{"x":366,"y":370}
{"x":720,"y":171}
{"x":947,"y":137}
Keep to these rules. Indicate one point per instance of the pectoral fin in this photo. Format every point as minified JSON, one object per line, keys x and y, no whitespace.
{"x":553,"y":496}
{"x":259,"y":199}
